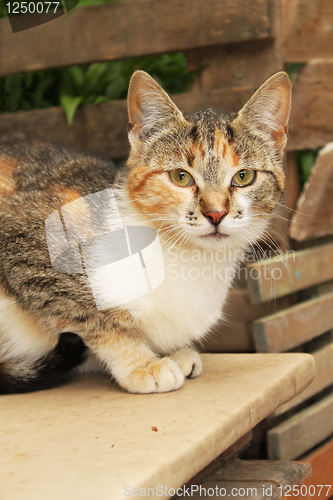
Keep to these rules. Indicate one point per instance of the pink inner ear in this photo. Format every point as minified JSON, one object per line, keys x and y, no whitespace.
{"x":138,"y":132}
{"x":282,"y":107}
{"x":134,"y":110}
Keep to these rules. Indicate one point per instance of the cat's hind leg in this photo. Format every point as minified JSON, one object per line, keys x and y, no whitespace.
{"x":53,"y":369}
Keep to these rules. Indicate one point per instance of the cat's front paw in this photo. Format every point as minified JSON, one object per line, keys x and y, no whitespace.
{"x":189,"y":362}
{"x":161,"y":375}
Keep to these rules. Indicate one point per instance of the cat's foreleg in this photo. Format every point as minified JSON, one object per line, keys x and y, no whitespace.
{"x":134,"y":365}
{"x":189,"y":362}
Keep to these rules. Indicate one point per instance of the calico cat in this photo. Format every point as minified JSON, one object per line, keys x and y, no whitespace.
{"x":205,"y":184}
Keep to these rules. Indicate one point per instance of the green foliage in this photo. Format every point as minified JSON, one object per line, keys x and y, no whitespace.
{"x":305,"y":160}
{"x":3,"y":12}
{"x":22,"y":92}
{"x":293,"y":68}
{"x":94,"y":83}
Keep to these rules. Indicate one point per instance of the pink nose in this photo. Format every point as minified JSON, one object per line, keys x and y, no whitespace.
{"x":215,"y":217}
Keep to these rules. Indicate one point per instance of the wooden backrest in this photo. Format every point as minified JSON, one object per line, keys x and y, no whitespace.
{"x":241,"y":42}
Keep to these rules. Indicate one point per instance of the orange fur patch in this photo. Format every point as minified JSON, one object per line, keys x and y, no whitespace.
{"x":219,"y":142}
{"x":7,"y":182}
{"x":234,"y":156}
{"x":224,"y":149}
{"x":67,"y":194}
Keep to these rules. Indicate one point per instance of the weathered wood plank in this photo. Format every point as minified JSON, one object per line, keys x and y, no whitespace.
{"x":282,"y":473}
{"x":255,"y":479}
{"x":311,"y":124}
{"x":321,"y":461}
{"x":239,"y":65}
{"x":234,"y":332}
{"x":279,"y":227}
{"x":130,"y":29}
{"x":279,"y":276}
{"x":323,"y":378}
{"x":308,"y":29}
{"x":314,"y":215}
{"x":284,"y":330}
{"x":102,"y":129}
{"x":303,"y":431}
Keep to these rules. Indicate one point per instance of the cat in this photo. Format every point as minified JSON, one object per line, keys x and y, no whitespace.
{"x":206,"y":184}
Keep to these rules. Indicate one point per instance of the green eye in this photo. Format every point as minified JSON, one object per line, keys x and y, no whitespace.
{"x":181,"y":178}
{"x":244,"y":177}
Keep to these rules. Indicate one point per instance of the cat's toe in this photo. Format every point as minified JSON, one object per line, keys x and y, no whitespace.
{"x":162,"y":375}
{"x":189,"y":362}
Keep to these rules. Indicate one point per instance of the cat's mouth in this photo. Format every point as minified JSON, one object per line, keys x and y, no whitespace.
{"x":215,"y":235}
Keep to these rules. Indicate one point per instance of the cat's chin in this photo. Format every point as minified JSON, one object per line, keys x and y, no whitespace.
{"x":213,"y":241}
{"x":215,"y":236}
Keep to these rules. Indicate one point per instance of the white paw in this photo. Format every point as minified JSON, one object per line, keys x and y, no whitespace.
{"x":189,"y":362}
{"x":161,"y":375}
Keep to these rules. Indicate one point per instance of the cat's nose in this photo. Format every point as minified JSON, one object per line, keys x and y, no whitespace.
{"x":215,"y":217}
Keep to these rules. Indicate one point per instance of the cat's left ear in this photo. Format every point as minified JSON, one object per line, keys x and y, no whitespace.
{"x":268,"y":109}
{"x":149,"y":108}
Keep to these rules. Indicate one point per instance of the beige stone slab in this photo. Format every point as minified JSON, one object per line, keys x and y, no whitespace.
{"x":89,"y":439}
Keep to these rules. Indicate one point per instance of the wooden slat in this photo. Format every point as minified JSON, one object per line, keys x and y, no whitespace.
{"x":234,"y":332}
{"x":321,"y":461}
{"x":278,"y":472}
{"x":102,"y":129}
{"x":255,"y":479}
{"x":279,"y":276}
{"x":311,"y":124}
{"x":280,"y":224}
{"x":129,"y":29}
{"x":239,"y":65}
{"x":323,"y":378}
{"x":303,"y":431}
{"x":300,"y":323}
{"x":314,"y":215}
{"x":308,"y":29}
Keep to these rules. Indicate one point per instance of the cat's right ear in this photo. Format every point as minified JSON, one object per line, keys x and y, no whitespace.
{"x":268,"y":109}
{"x":149,"y":108}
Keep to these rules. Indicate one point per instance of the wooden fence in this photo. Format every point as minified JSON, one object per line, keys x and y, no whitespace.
{"x":241,"y":42}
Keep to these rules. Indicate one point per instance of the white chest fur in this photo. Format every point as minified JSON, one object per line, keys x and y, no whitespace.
{"x":188,"y":302}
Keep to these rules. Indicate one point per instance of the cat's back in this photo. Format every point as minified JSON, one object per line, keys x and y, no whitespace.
{"x":37,"y":179}
{"x":35,"y":166}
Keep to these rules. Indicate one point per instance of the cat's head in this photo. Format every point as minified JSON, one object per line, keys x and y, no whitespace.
{"x":208,"y":178}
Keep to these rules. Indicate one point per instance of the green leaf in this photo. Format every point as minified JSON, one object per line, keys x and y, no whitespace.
{"x":93,"y":77}
{"x":70,"y":105}
{"x":306,"y":160}
{"x":99,"y":99}
{"x":77,"y":74}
